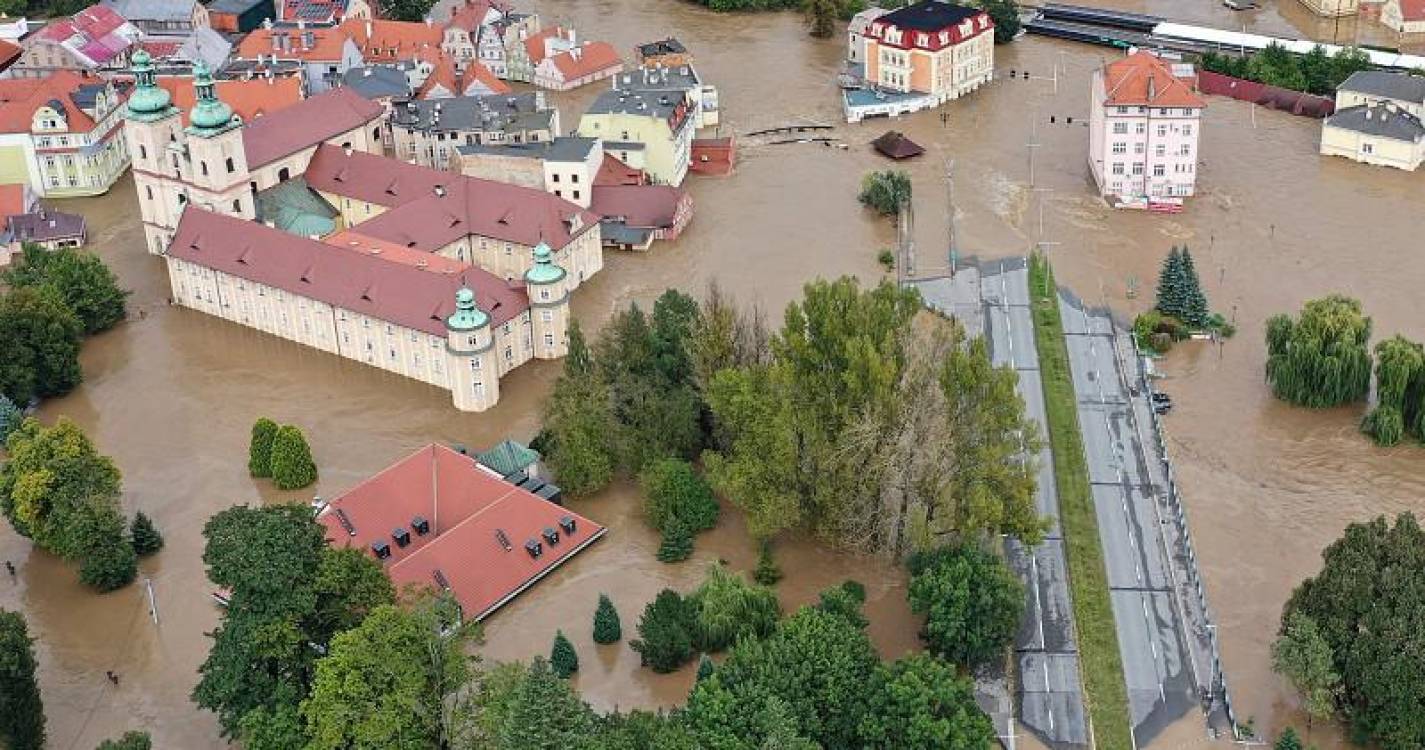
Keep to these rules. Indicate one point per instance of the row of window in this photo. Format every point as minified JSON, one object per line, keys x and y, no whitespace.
{"x":1161,"y":149}
{"x":1121,"y":128}
{"x":1162,"y":111}
{"x":1159,"y":170}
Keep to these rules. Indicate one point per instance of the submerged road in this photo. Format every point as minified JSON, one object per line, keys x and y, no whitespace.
{"x":1152,"y":628}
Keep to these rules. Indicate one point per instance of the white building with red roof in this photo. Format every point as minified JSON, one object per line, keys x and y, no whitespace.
{"x":1145,"y":119}
{"x":294,"y":225}
{"x":578,"y":66}
{"x":94,"y":39}
{"x":438,"y":519}
{"x":62,"y":134}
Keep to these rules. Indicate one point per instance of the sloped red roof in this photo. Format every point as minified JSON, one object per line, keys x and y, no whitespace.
{"x":398,"y":293}
{"x":1141,"y":79}
{"x":326,"y":44}
{"x":1412,"y":10}
{"x":250,"y":98}
{"x":12,"y":200}
{"x":534,"y":44}
{"x":431,"y":208}
{"x":458,"y":84}
{"x":305,"y":124}
{"x":586,"y":59}
{"x":20,"y":97}
{"x":614,"y":172}
{"x":9,"y":51}
{"x":354,"y":241}
{"x":391,"y":41}
{"x":642,"y":206}
{"x":468,"y":508}
{"x":470,"y":14}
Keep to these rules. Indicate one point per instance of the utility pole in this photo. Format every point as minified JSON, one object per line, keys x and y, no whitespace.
{"x":152,"y":603}
{"x":905,"y":229}
{"x":1033,"y":143}
{"x":950,"y":213}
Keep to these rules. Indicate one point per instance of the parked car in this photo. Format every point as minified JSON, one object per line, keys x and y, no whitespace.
{"x":1161,"y":398}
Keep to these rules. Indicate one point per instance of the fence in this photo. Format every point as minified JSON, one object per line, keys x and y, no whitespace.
{"x":1217,"y":683}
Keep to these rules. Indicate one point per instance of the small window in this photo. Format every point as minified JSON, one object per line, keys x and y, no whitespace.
{"x":229,"y":164}
{"x":143,"y":152}
{"x":148,"y":189}
{"x":237,"y":207}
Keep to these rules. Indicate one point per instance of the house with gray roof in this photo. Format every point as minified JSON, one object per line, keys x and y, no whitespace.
{"x":1381,"y":86}
{"x":48,"y":229}
{"x":1378,"y":120}
{"x":428,"y":131}
{"x":565,"y":166}
{"x":164,"y":18}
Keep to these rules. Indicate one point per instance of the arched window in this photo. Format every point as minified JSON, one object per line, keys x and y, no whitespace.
{"x":284,"y":174}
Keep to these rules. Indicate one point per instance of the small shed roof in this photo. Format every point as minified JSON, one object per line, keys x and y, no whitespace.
{"x":508,"y":457}
{"x":895,"y":145}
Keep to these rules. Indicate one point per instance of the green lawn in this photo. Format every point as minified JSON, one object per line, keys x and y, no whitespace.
{"x":1105,"y":695}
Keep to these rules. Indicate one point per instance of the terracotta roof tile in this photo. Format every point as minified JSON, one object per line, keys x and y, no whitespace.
{"x":395,"y":292}
{"x":306,"y":123}
{"x":391,"y":41}
{"x":644,"y":206}
{"x":468,"y":509}
{"x":431,"y":208}
{"x":587,"y":59}
{"x":1412,"y":10}
{"x":1143,"y":79}
{"x":291,"y":44}
{"x":250,"y":99}
{"x":20,"y":97}
{"x":534,"y":45}
{"x":12,"y":199}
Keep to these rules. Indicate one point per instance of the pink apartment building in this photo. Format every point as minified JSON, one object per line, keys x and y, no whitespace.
{"x":1145,"y":120}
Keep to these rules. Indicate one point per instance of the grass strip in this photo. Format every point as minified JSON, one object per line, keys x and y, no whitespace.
{"x":1101,"y":665}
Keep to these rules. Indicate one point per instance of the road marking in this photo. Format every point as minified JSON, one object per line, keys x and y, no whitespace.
{"x":1038,"y":602}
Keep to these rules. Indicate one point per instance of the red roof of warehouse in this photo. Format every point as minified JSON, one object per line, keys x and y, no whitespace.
{"x":466,"y":506}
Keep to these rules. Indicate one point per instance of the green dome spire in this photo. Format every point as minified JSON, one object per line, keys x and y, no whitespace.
{"x":210,"y":115}
{"x":544,"y":270}
{"x":467,"y":317}
{"x":148,"y":102}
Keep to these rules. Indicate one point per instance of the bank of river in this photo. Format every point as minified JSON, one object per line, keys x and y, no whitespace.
{"x":172,"y":395}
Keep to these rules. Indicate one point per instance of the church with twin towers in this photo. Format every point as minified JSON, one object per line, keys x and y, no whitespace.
{"x":297,"y":225}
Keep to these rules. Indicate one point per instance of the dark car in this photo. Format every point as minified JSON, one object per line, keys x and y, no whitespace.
{"x":1161,"y":398}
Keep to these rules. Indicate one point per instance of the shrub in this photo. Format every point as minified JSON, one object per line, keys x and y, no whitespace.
{"x":259,"y":448}
{"x":705,"y":667}
{"x":292,"y":465}
{"x":885,"y":191}
{"x":887,"y":259}
{"x":10,"y":418}
{"x":665,"y":632}
{"x":672,"y":489}
{"x":132,"y":740}
{"x":607,"y":628}
{"x":767,"y":572}
{"x":144,"y":535}
{"x":1322,"y":358}
{"x":846,"y":600}
{"x":563,"y":659}
{"x":729,"y":608}
{"x":108,"y":561}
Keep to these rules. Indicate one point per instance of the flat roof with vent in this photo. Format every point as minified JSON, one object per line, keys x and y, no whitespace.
{"x":474,"y":515}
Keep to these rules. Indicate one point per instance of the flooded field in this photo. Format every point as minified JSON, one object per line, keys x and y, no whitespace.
{"x":171,"y":395}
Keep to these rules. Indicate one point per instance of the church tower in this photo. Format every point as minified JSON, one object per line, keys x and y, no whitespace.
{"x":217,"y":164}
{"x":153,"y":123}
{"x":474,"y":375}
{"x":548,"y":289}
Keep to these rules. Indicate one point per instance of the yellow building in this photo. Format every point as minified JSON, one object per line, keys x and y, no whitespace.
{"x":1378,"y":120}
{"x":61,"y":134}
{"x":648,"y":130}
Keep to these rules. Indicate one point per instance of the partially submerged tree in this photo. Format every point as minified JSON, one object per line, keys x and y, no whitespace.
{"x":78,"y":278}
{"x":563,"y":659}
{"x":144,"y":535}
{"x":40,"y":337}
{"x":292,"y":464}
{"x":1304,"y":657}
{"x":606,"y":622}
{"x":923,"y":704}
{"x":971,"y":600}
{"x":885,"y":191}
{"x":665,"y":632}
{"x":1400,"y":392}
{"x":1320,"y":359}
{"x":22,"y":715}
{"x":259,"y":447}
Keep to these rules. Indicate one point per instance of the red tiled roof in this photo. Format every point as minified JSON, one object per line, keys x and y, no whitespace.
{"x":641,"y":206}
{"x":354,"y":241}
{"x":422,"y":219}
{"x":444,"y":75}
{"x":587,"y":59}
{"x":391,"y":41}
{"x":614,"y":172}
{"x":160,"y":48}
{"x":8,"y":53}
{"x":470,"y":15}
{"x":12,"y":200}
{"x":1143,"y":79}
{"x":1412,"y":10}
{"x":534,"y":46}
{"x":20,"y":97}
{"x":394,"y":292}
{"x":466,"y":506}
{"x":326,"y":44}
{"x":306,"y":123}
{"x":250,"y":99}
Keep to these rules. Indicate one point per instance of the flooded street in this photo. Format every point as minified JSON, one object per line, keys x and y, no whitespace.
{"x":172,"y":396}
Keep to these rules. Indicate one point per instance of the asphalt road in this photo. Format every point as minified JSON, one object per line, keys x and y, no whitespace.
{"x":1050,"y":700}
{"x":1152,"y":633}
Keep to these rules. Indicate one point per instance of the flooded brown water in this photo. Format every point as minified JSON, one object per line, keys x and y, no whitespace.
{"x":171,"y":396}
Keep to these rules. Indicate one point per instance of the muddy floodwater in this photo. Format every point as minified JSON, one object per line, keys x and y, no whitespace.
{"x":171,"y":394}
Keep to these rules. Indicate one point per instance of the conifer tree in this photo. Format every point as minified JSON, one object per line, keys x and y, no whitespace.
{"x":677,"y":542}
{"x":1194,"y":301}
{"x":705,"y":667}
{"x":607,"y":628}
{"x":767,"y":572}
{"x":144,"y":535}
{"x":10,"y":418}
{"x":22,"y":715}
{"x":1170,"y":285}
{"x":562,"y":658}
{"x":292,"y":465}
{"x":259,"y":448}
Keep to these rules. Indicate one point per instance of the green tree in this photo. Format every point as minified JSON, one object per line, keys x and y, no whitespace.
{"x":922,"y":704}
{"x":40,"y":337}
{"x":606,"y":622}
{"x":10,"y":418}
{"x":1321,"y":359}
{"x":60,"y":492}
{"x":728,"y":608}
{"x":1275,"y":66}
{"x":706,"y":667}
{"x":278,"y":728}
{"x":642,"y":730}
{"x":845,"y":599}
{"x":821,"y":16}
{"x":1400,"y":383}
{"x":1172,"y":285}
{"x":766,"y":573}
{"x":406,"y":10}
{"x":1288,"y":739}
{"x":387,"y":682}
{"x":971,"y":600}
{"x":259,"y":448}
{"x":544,"y":713}
{"x":665,"y":632}
{"x":80,"y":279}
{"x":885,"y":191}
{"x":1005,"y":15}
{"x":145,"y":536}
{"x":131,"y":740}
{"x":579,"y":423}
{"x":1346,"y":61}
{"x":292,"y":464}
{"x":1195,"y":310}
{"x":1304,"y":657}
{"x":1365,"y":603}
{"x":677,"y":544}
{"x":672,"y":489}
{"x":563,"y":659}
{"x":22,"y":715}
{"x":753,"y":469}
{"x":348,"y":586}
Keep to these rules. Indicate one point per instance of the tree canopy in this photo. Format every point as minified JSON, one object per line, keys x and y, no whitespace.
{"x":971,"y":600}
{"x":1304,"y":657}
{"x":1400,"y":392}
{"x":291,"y":461}
{"x":885,"y":191}
{"x":1180,"y":291}
{"x":922,"y":704}
{"x":78,"y":278}
{"x":1322,"y":358}
{"x":22,"y":714}
{"x":130,"y":740}
{"x":40,"y":337}
{"x":1366,"y":604}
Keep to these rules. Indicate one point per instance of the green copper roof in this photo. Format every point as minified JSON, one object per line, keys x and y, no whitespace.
{"x":467,"y":317}
{"x":210,"y":115}
{"x":544,"y":270}
{"x":149,"y":101}
{"x":294,"y":207}
{"x":508,"y":457}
